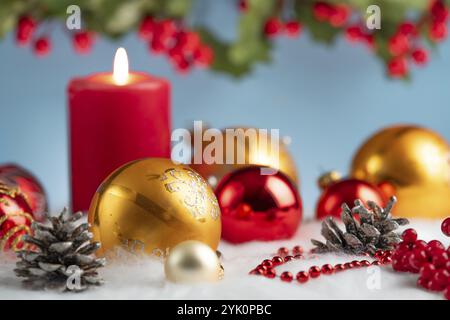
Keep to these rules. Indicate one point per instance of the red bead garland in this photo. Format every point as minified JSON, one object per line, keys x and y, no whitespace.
{"x":266,"y":267}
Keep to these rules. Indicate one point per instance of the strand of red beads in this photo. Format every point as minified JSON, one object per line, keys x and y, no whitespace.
{"x":431,"y":260}
{"x":267,"y":267}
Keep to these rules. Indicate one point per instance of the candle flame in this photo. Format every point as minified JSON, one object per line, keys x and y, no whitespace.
{"x":120,"y":70}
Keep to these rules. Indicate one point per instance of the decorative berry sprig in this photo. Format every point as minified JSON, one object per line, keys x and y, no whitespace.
{"x":163,"y":24}
{"x":182,"y":46}
{"x":429,"y":260}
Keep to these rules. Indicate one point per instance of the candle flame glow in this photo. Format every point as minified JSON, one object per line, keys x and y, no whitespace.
{"x":120,"y":70}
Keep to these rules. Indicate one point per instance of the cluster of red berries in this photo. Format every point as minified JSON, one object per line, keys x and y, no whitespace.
{"x":25,"y":34}
{"x":439,"y":17}
{"x":183,"y":47}
{"x":356,"y":33}
{"x":401,"y":47}
{"x":335,"y":14}
{"x":267,"y":267}
{"x":430,"y":260}
{"x":274,"y":27}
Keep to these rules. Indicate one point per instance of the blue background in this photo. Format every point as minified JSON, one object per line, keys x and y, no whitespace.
{"x":328,"y":99}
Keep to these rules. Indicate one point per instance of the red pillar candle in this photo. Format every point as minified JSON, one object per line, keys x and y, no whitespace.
{"x":113,"y":119}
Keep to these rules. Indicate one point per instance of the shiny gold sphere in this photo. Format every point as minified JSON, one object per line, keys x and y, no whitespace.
{"x":415,"y":161}
{"x":192,"y":261}
{"x":150,"y":205}
{"x":255,"y":154}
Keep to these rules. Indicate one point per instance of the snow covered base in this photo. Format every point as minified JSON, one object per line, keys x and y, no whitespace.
{"x":143,"y":278}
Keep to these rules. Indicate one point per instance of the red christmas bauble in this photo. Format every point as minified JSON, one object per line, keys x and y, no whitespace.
{"x":445,"y":227}
{"x":347,"y":190}
{"x":17,"y":177}
{"x":15,"y":218}
{"x":258,"y":207}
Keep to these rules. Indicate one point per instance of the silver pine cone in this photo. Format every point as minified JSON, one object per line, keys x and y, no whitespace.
{"x":375,"y":230}
{"x":62,"y":257}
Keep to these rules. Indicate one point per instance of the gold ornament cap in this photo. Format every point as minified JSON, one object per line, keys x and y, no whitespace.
{"x":328,"y":178}
{"x":191,"y":262}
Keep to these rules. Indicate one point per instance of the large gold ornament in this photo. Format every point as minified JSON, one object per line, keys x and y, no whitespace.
{"x":151,"y":205}
{"x":415,"y":162}
{"x":255,"y":154}
{"x":192,"y":261}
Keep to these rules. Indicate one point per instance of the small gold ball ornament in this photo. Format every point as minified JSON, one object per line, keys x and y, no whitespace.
{"x":255,"y":153}
{"x":415,"y":162}
{"x":192,"y":261}
{"x":152,"y":204}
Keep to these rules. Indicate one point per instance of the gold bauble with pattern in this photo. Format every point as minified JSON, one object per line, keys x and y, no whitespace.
{"x":152,"y":204}
{"x":413,"y":162}
{"x":255,"y":151}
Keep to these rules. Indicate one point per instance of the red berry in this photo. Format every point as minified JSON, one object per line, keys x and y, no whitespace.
{"x":157,"y":45}
{"x":204,"y":56}
{"x":435,"y":246}
{"x":438,"y":31}
{"x":420,"y":244}
{"x":302,"y":276}
{"x":322,"y":11}
{"x":447,"y":293}
{"x":292,"y":28}
{"x":339,"y":15}
{"x":438,"y":11}
{"x":434,"y":285}
{"x":442,"y":276}
{"x":146,"y":28}
{"x":286,"y":276}
{"x":25,"y":29}
{"x":398,"y":44}
{"x":167,"y":28}
{"x":243,"y":5}
{"x":445,"y":227}
{"x":272,"y":27}
{"x":439,"y":260}
{"x":82,"y":41}
{"x":409,"y":236}
{"x":314,"y":271}
{"x":418,"y":258}
{"x":354,"y":33}
{"x":327,"y":269}
{"x":427,"y":270}
{"x":182,"y":65}
{"x":42,"y":46}
{"x":408,"y":29}
{"x":398,"y":67}
{"x":423,"y":282}
{"x":189,"y":41}
{"x":420,"y":56}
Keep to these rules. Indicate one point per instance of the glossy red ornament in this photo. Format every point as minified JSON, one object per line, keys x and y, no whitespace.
{"x":445,"y":227}
{"x":347,"y":190}
{"x":17,"y":177}
{"x":272,"y":206}
{"x":15,"y":218}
